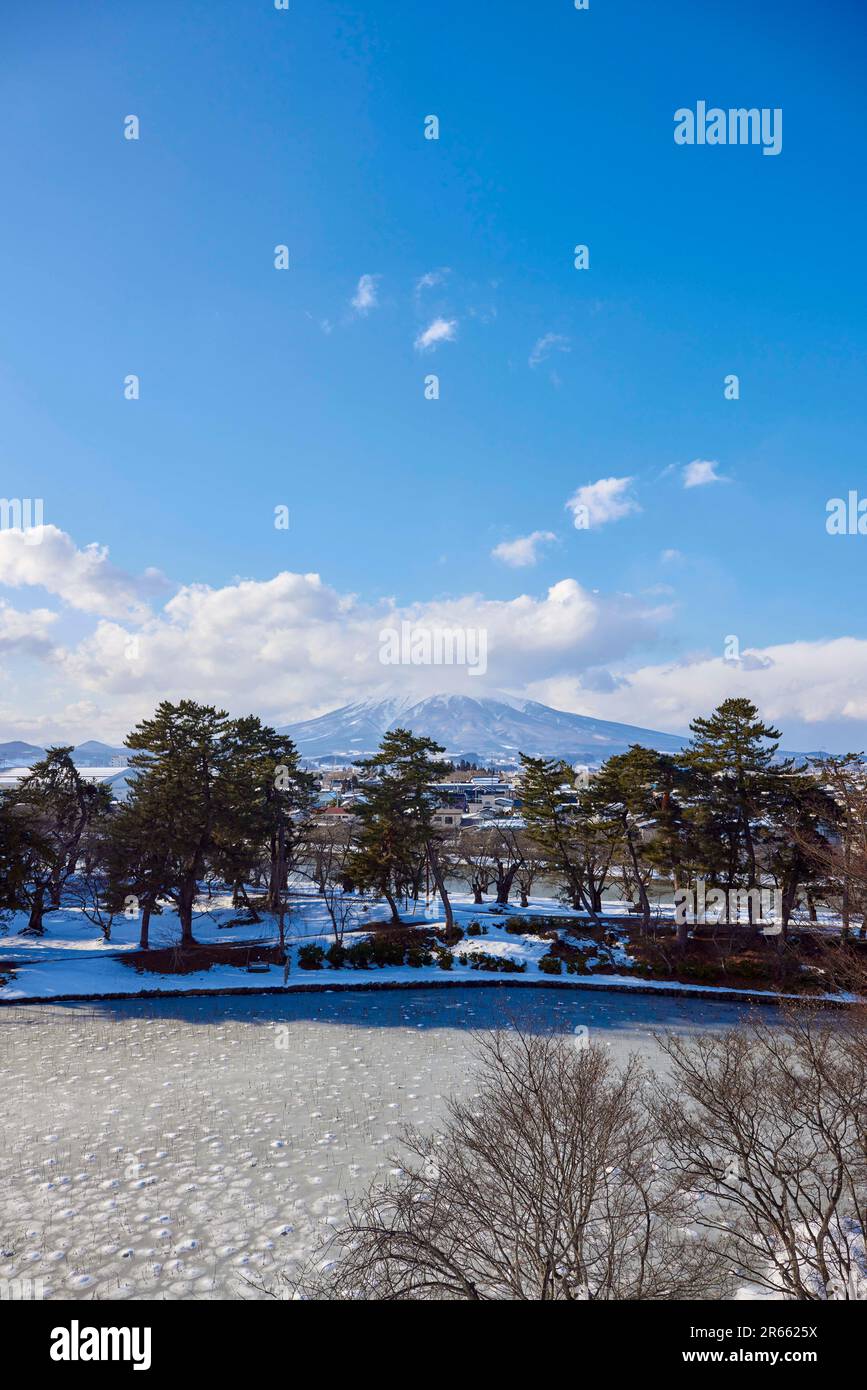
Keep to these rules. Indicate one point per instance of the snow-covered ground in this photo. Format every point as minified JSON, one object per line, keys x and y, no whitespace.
{"x":194,"y":1148}
{"x":73,"y":958}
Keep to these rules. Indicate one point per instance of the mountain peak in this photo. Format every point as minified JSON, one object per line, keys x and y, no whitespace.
{"x":494,"y":727}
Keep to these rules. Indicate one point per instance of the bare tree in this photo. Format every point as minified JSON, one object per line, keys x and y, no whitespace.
{"x":507,"y":854}
{"x":531,"y":866}
{"x":344,"y":909}
{"x":769,"y":1124}
{"x":546,"y":1185}
{"x":473,"y":862}
{"x":325,"y":852}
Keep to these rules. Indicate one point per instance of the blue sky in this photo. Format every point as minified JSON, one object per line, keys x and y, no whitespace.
{"x":262,"y":387}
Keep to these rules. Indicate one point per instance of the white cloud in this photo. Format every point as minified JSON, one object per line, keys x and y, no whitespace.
{"x":291,"y":645}
{"x":365,"y":296}
{"x":544,"y":346}
{"x":523,"y":550}
{"x":700,"y":472}
{"x":431,"y":279}
{"x":440,"y":331}
{"x":25,"y":631}
{"x":85,"y":579}
{"x":606,"y":500}
{"x":671,"y":557}
{"x":798,"y":684}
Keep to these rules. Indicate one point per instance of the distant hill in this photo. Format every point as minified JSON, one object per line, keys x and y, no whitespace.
{"x":487,"y":729}
{"x":96,"y":754}
{"x":17,"y":754}
{"x":89,"y":754}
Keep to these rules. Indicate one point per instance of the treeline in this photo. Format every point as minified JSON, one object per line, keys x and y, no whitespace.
{"x":727,"y":819}
{"x":214,"y":800}
{"x":218,"y":803}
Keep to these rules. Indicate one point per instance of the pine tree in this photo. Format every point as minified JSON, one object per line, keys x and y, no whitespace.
{"x":627,"y":796}
{"x":396,"y":819}
{"x":44,"y":821}
{"x":735,"y":754}
{"x":139,"y":855}
{"x":804,"y":821}
{"x":263,"y":794}
{"x":558,"y":824}
{"x":180,"y":754}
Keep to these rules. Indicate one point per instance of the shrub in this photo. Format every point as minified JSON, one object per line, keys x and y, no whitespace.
{"x":360,"y":954}
{"x":336,"y":955}
{"x":385,"y":950}
{"x":310,"y":957}
{"x":475,"y":929}
{"x":418,"y":955}
{"x":445,"y":959}
{"x":551,"y":965}
{"x":701,"y":970}
{"x":504,"y":965}
{"x":538,"y":926}
{"x":748,"y":968}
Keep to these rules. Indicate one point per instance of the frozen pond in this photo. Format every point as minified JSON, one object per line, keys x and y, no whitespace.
{"x":190,"y":1148}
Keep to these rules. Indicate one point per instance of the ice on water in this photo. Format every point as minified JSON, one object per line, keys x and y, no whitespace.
{"x":202,"y":1147}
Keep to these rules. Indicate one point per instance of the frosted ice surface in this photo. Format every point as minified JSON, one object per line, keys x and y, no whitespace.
{"x":180,"y":1149}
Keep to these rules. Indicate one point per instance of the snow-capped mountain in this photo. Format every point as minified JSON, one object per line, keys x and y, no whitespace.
{"x":495,"y":728}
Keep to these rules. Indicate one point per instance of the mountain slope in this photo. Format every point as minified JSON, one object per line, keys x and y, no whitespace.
{"x":90,"y":754}
{"x":18,"y":754}
{"x":485,"y":727}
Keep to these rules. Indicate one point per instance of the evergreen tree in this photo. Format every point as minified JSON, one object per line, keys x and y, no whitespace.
{"x":559,"y":826}
{"x":803,"y":822}
{"x":734,"y":753}
{"x":627,"y":796}
{"x":181,"y":755}
{"x":44,"y":822}
{"x":396,"y":819}
{"x":263,"y":795}
{"x":139,"y":853}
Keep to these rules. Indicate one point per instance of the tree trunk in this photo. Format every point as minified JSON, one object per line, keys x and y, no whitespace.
{"x":441,"y":886}
{"x":144,"y":942}
{"x":37,"y":909}
{"x":682,"y":937}
{"x":185,"y":914}
{"x":643,"y":900}
{"x":504,"y":887}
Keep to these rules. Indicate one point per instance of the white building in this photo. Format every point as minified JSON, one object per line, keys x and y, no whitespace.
{"x":118,"y":778}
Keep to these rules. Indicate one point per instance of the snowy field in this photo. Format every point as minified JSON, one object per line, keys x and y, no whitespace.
{"x":200,"y":1148}
{"x":73,"y":958}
